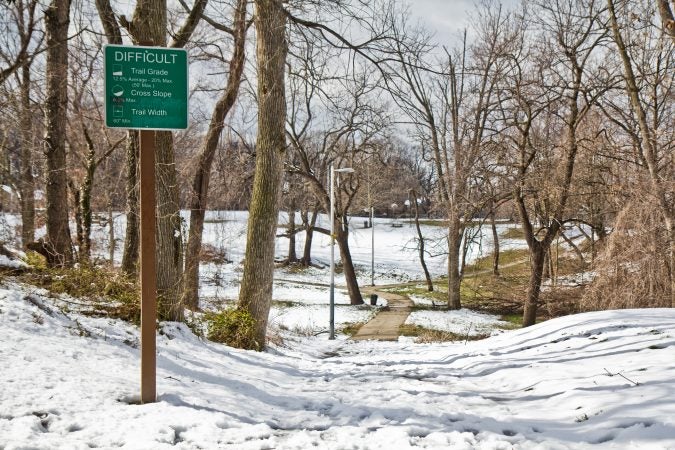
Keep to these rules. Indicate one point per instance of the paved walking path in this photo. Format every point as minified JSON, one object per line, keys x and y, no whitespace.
{"x":385,"y":325}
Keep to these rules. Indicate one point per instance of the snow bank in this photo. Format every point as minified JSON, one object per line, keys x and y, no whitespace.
{"x":602,"y":380}
{"x":463,"y":322}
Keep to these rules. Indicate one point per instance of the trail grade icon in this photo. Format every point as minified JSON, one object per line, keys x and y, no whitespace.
{"x":146,"y":88}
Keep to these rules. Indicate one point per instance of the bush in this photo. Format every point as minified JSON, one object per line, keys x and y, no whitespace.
{"x":632,"y":269}
{"x":233,"y":327}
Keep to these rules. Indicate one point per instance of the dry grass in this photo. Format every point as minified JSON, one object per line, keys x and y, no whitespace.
{"x":632,"y":270}
{"x":425,"y":335}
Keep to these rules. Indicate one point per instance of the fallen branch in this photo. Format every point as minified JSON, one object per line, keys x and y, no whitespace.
{"x":610,"y":374}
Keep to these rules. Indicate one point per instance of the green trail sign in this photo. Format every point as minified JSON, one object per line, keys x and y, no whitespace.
{"x":146,"y":88}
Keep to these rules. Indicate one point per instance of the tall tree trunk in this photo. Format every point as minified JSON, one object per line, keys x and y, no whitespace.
{"x":85,"y":207}
{"x":201,"y":180}
{"x":27,"y":183}
{"x":131,"y":235}
{"x":309,"y":223}
{"x":111,"y":234}
{"x":538,"y":259}
{"x":169,"y":236}
{"x":130,"y":252}
{"x":455,"y":234}
{"x":84,"y":201}
{"x":57,"y":19}
{"x":292,"y":257}
{"x":671,"y":269}
{"x":76,"y":192}
{"x":256,"y":286}
{"x":538,"y":252}
{"x":420,"y":247}
{"x":547,"y":274}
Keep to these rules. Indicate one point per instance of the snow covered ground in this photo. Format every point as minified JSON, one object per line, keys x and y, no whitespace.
{"x":396,"y":260}
{"x":598,"y":380}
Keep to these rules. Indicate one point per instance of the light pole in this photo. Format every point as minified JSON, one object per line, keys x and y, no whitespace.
{"x":332,"y":246}
{"x":409,"y":208}
{"x":372,"y":246}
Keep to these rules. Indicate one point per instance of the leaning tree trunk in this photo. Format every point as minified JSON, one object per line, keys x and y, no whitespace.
{"x":27,"y":184}
{"x":495,"y":241}
{"x":57,"y":19}
{"x":420,"y":247}
{"x":201,"y":180}
{"x":342,"y":237}
{"x":255,"y":296}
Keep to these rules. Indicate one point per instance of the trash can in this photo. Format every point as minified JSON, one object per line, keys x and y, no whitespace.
{"x":373,"y":299}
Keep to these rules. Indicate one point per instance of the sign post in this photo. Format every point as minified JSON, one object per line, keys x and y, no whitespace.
{"x":146,"y":88}
{"x":148,"y":275}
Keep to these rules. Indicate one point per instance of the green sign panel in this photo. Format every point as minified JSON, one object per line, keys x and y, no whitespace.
{"x":146,"y":87}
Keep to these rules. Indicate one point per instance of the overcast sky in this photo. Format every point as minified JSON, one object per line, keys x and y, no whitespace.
{"x":446,"y":18}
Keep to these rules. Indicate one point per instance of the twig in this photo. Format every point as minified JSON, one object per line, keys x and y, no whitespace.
{"x":610,"y":374}
{"x":467,"y":333}
{"x":172,"y":378}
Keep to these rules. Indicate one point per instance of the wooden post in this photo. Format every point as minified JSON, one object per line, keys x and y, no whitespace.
{"x":147,"y":273}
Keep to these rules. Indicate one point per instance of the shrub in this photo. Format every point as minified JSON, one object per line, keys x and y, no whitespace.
{"x":35,"y":260}
{"x":632,"y":269}
{"x":233,"y":327}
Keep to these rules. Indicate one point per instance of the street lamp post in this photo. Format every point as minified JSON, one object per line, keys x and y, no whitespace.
{"x":372,"y":246}
{"x":409,"y":208}
{"x":332,"y":246}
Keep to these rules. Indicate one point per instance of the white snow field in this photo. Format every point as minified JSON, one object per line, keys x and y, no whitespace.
{"x":68,"y":381}
{"x":597,"y":380}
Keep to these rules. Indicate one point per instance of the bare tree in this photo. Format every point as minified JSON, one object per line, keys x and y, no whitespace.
{"x":20,"y":29}
{"x":58,"y":243}
{"x":571,"y":29}
{"x":451,"y":108}
{"x":324,"y":130}
{"x":149,"y":26}
{"x":649,"y":89}
{"x":200,"y":184}
{"x":130,"y":254}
